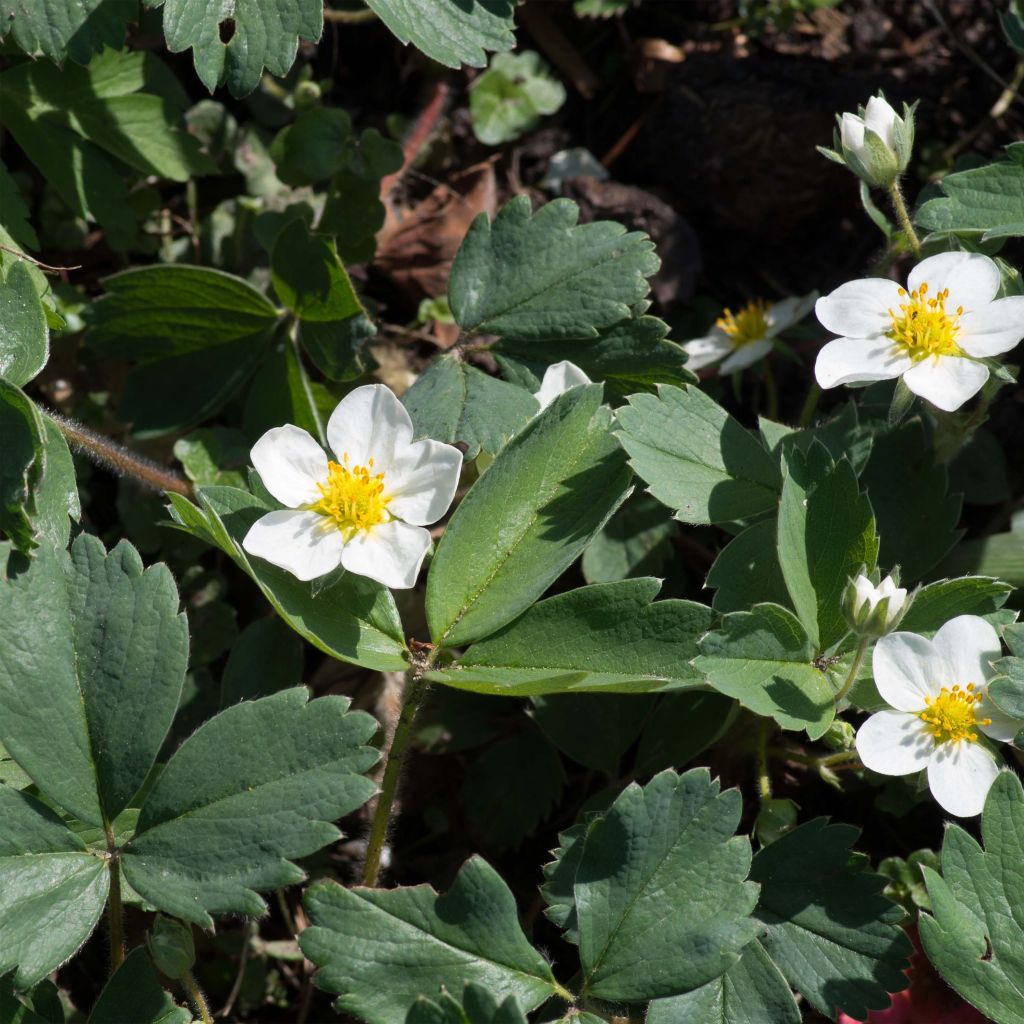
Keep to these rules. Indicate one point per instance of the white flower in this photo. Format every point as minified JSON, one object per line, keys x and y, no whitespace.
{"x":366,"y":511}
{"x":937,"y":690}
{"x":559,"y":378}
{"x":740,"y":339}
{"x":862,"y":605}
{"x":932,"y":337}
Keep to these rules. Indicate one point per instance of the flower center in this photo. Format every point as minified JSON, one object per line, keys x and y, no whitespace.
{"x":922,"y":327}
{"x":951,"y":716}
{"x":353,"y":498}
{"x":749,"y":324}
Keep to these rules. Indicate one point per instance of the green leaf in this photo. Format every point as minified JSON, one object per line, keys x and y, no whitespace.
{"x":22,"y":461}
{"x":937,"y":603}
{"x":747,"y":570}
{"x":478,"y":1007}
{"x":56,"y":494}
{"x":252,"y":788}
{"x":974,"y":934}
{"x":636,"y":541}
{"x":313,"y":148}
{"x":826,"y":534}
{"x":310,"y":281}
{"x":452,"y":32}
{"x":266,"y":657}
{"x":915,"y":514}
{"x":527,"y":519}
{"x":543,"y":276}
{"x":46,"y":875}
{"x":680,"y":727}
{"x":830,"y":931}
{"x":986,"y":201}
{"x":1007,"y":689}
{"x":512,"y":95}
{"x":696,"y":458}
{"x":353,"y":620}
{"x":197,"y":334}
{"x":752,"y":991}
{"x":262,"y":34}
{"x":76,"y":30}
{"x":24,"y":338}
{"x":610,"y":638}
{"x":661,"y":900}
{"x":16,"y":230}
{"x":999,"y":554}
{"x":560,"y":878}
{"x":379,"y":949}
{"x":134,"y":993}
{"x":765,"y":659}
{"x":16,"y":1011}
{"x":454,"y":401}
{"x":109,"y":642}
{"x":281,"y":392}
{"x":214,"y":456}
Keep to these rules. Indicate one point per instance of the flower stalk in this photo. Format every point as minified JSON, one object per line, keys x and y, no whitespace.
{"x":858,"y":660}
{"x":195,"y":993}
{"x":900,"y":208}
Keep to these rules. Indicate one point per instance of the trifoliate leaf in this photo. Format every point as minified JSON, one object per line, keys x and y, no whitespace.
{"x":661,"y":902}
{"x":452,"y":32}
{"x":380,"y":950}
{"x":830,"y":931}
{"x":527,"y":519}
{"x":453,"y":401}
{"x":636,"y":541}
{"x":765,"y":660}
{"x":512,"y":95}
{"x":826,"y":534}
{"x":24,"y":337}
{"x":233,"y":42}
{"x":22,"y":463}
{"x":530,"y":277}
{"x":696,"y":458}
{"x":134,"y":993}
{"x":92,"y":659}
{"x":252,"y":788}
{"x":46,"y":875}
{"x":78,"y":30}
{"x":610,"y":637}
{"x":354,"y":619}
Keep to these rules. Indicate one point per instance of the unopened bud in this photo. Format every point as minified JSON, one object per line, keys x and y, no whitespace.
{"x":873,"y":610}
{"x":876,"y":143}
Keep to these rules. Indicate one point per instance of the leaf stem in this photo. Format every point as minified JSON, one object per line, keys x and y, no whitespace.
{"x":115,"y":909}
{"x":896,"y":195}
{"x":195,"y":993}
{"x":412,"y":697}
{"x":858,"y":658}
{"x":810,"y":404}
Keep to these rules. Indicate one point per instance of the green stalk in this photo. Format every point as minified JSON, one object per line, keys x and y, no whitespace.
{"x":896,"y":195}
{"x":195,"y":993}
{"x":854,"y":668}
{"x":115,"y":909}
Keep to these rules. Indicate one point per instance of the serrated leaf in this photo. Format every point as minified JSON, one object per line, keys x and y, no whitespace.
{"x":449,"y":31}
{"x":830,"y":931}
{"x":478,"y":1006}
{"x":975,"y":931}
{"x":826,"y":533}
{"x":661,"y":902}
{"x":527,"y":519}
{"x":263,"y":34}
{"x":560,"y":879}
{"x":24,"y":338}
{"x":765,"y":660}
{"x":46,"y":874}
{"x":134,"y":993}
{"x":696,"y":458}
{"x":543,"y":276}
{"x":936,"y":603}
{"x":78,"y":30}
{"x":111,"y":646}
{"x":354,"y":620}
{"x":453,"y":401}
{"x":610,"y":637}
{"x":252,"y":788}
{"x":22,"y":462}
{"x":512,"y":95}
{"x":379,"y":950}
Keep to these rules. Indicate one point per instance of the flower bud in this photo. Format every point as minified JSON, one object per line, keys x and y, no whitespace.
{"x":876,"y":143}
{"x":873,"y":610}
{"x":171,"y":947}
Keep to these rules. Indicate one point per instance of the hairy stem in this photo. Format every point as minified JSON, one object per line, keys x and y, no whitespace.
{"x":896,"y":195}
{"x":858,"y":658}
{"x":115,"y":909}
{"x":195,"y":993}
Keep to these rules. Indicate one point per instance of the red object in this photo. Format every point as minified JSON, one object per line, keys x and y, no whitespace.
{"x":928,"y":1000}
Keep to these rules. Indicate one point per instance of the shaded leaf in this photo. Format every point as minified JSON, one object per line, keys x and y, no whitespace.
{"x":134,"y":993}
{"x":24,"y":338}
{"x":511,"y":96}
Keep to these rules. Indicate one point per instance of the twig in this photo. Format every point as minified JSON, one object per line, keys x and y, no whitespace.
{"x":44,"y":267}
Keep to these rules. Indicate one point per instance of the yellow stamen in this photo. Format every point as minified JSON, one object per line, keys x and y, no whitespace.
{"x":749,"y":324}
{"x":353,"y":498}
{"x":923,"y":327}
{"x":951,"y":717}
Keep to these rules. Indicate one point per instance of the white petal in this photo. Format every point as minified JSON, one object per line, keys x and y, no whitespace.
{"x":880,"y":117}
{"x":993,"y":329}
{"x":907,"y":668}
{"x":290,"y":464}
{"x":789,"y":311}
{"x":960,"y":776}
{"x":746,"y":355}
{"x":559,"y":378}
{"x":946,"y":381}
{"x":391,"y":553}
{"x":858,"y":360}
{"x":969,"y":644}
{"x":369,"y":423}
{"x":705,"y":351}
{"x":865,"y":591}
{"x":1001,"y":726}
{"x":859,"y":309}
{"x":851,"y":132}
{"x":894,"y":743}
{"x":422,"y":482}
{"x":972,"y":279}
{"x":307,"y":544}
